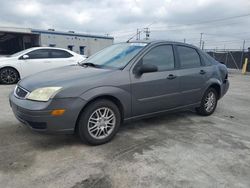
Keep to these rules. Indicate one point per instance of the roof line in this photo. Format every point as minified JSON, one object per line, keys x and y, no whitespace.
{"x":37,"y":31}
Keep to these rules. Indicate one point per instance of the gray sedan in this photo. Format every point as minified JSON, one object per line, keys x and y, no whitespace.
{"x":123,"y":82}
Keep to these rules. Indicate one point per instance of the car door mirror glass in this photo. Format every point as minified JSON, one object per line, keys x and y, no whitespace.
{"x":25,"y":56}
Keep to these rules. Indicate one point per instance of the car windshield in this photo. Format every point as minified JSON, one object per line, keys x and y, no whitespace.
{"x":19,"y":53}
{"x":116,"y":56}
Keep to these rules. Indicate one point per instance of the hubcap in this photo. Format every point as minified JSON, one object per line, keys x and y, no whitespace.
{"x":8,"y":76}
{"x":101,"y":123}
{"x":210,"y":101}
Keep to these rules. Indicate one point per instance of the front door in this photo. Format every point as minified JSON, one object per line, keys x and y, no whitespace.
{"x":155,"y":91}
{"x":35,"y":61}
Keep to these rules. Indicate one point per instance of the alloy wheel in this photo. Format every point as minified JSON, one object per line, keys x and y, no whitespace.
{"x":8,"y":76}
{"x":101,"y":123}
{"x":210,"y":101}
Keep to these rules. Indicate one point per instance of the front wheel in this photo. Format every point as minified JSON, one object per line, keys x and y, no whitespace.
{"x":208,"y":103}
{"x":99,"y":122}
{"x":8,"y":76}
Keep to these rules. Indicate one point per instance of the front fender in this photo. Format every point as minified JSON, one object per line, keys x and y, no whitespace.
{"x":121,"y":94}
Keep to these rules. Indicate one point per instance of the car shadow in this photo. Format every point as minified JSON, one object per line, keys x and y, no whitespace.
{"x":21,"y":145}
{"x":52,"y":142}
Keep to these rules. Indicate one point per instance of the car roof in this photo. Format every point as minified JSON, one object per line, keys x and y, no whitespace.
{"x":162,"y":41}
{"x":54,"y":48}
{"x":44,"y":47}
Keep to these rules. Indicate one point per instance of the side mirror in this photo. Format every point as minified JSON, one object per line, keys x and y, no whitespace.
{"x":146,"y":68}
{"x":25,"y":56}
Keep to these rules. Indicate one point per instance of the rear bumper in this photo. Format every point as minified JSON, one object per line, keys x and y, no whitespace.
{"x":224,"y":88}
{"x":37,"y":115}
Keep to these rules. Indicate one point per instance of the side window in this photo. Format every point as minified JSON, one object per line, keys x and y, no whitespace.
{"x":60,"y":54}
{"x":188,"y":57}
{"x":161,"y":56}
{"x":39,"y":54}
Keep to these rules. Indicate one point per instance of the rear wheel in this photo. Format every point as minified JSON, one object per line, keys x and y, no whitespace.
{"x":8,"y":76}
{"x":99,"y":122}
{"x":208,"y":103}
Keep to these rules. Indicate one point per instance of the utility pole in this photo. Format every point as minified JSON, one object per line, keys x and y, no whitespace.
{"x":147,"y":33}
{"x":184,"y":40}
{"x":203,"y":44}
{"x":201,"y":40}
{"x":137,"y":34}
{"x":242,"y":54}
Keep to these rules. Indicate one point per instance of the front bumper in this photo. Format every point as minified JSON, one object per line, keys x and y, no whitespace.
{"x":37,"y":115}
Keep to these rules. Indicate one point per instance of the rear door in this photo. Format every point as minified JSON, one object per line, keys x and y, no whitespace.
{"x":192,"y":75}
{"x":61,"y":58}
{"x":155,"y":91}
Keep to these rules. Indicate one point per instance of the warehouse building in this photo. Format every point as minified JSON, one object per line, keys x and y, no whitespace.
{"x":13,"y":40}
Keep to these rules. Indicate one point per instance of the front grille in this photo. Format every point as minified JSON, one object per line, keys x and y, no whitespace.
{"x":20,"y":92}
{"x":37,"y":125}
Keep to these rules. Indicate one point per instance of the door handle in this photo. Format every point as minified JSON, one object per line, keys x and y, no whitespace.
{"x":171,"y":77}
{"x":202,"y":72}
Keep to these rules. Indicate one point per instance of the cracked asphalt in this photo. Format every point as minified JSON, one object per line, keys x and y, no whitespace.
{"x":174,"y":150}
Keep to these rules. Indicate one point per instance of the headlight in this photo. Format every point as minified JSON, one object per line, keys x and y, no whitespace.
{"x":43,"y":94}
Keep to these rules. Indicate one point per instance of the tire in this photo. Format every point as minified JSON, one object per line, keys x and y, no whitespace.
{"x":91,"y":121}
{"x":8,"y":76}
{"x":208,"y":107}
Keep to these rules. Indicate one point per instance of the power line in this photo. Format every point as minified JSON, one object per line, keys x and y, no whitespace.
{"x":211,"y":21}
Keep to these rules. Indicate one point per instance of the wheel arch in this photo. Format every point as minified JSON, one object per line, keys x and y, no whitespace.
{"x":19,"y":76}
{"x":217,"y":88}
{"x":112,"y":98}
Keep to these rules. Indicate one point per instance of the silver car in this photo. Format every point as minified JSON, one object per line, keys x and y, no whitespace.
{"x":123,"y":82}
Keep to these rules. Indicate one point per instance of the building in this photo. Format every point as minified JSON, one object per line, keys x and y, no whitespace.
{"x":13,"y":40}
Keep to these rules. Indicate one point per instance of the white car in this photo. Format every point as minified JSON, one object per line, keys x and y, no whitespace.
{"x":33,"y":60}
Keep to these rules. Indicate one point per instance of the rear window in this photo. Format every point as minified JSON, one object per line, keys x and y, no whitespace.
{"x":60,"y":54}
{"x":209,"y":60}
{"x":188,"y":57}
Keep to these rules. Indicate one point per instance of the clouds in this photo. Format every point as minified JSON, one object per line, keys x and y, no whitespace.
{"x":121,"y":18}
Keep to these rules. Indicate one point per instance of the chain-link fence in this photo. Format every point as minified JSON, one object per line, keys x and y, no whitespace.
{"x":231,"y":58}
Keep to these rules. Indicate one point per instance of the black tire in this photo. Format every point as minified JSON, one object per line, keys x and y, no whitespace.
{"x":202,"y":110}
{"x":8,"y":76}
{"x":83,"y":123}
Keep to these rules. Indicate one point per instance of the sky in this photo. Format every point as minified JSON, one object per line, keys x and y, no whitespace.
{"x":224,"y":23}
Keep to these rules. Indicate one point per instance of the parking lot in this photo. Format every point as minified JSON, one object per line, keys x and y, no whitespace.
{"x":175,"y":150}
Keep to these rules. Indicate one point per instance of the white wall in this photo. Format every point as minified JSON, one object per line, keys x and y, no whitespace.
{"x":93,"y":45}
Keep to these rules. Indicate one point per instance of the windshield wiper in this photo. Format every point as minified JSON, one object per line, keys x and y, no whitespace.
{"x":89,"y":64}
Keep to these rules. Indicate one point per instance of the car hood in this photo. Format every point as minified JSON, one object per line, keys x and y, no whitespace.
{"x":6,"y":59}
{"x":72,"y":77}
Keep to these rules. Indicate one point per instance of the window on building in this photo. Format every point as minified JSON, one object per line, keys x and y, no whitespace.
{"x":161,"y":56}
{"x":81,"y":49}
{"x":70,"y":47}
{"x":59,"y":54}
{"x":188,"y":57}
{"x":52,"y":45}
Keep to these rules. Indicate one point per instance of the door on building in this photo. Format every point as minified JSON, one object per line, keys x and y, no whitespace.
{"x":81,"y":49}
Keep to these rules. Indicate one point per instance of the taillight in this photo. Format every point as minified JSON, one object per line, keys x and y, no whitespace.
{"x":225,"y":79}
